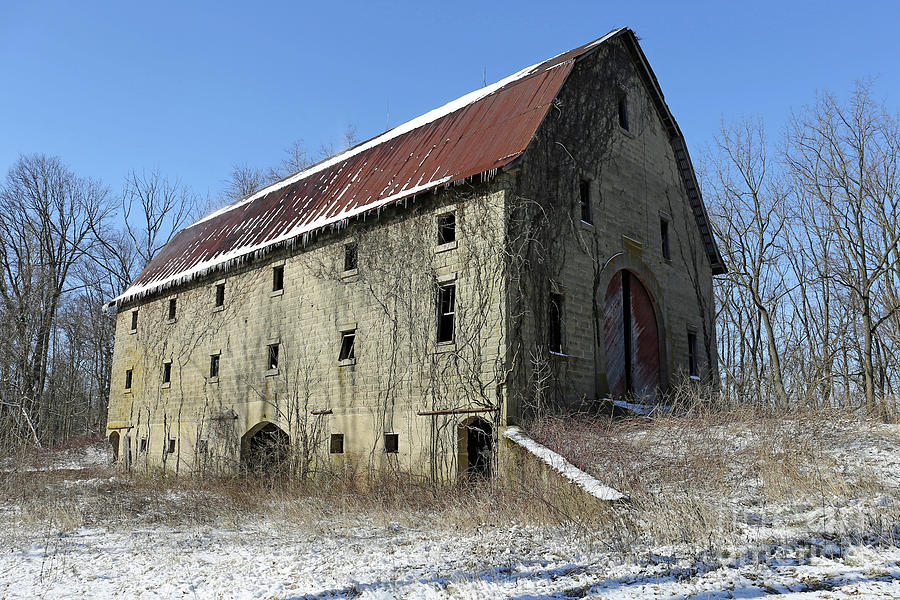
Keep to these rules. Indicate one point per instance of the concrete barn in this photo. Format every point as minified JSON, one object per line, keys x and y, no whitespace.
{"x":537,"y":245}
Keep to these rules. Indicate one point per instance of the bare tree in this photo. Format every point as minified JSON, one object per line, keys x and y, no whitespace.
{"x":243,"y":181}
{"x":844,"y":157}
{"x":749,"y":216}
{"x":47,"y":217}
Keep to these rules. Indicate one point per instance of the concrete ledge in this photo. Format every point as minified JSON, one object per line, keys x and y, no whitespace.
{"x":559,"y":464}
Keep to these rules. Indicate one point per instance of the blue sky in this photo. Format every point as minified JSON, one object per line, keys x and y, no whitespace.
{"x":193,"y":88}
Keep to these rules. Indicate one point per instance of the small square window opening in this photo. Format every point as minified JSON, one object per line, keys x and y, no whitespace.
{"x":392,"y":443}
{"x":348,"y":343}
{"x":337,"y":443}
{"x":167,"y":372}
{"x":272,"y":357}
{"x":351,"y":256}
{"x":213,"y":366}
{"x":446,"y":313}
{"x":664,"y":238}
{"x":446,"y":228}
{"x":128,"y":376}
{"x":554,"y":322}
{"x":584,"y":192}
{"x":220,"y":295}
{"x":278,"y":278}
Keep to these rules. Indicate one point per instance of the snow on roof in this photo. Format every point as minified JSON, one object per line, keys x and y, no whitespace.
{"x":475,"y":134}
{"x":559,"y":464}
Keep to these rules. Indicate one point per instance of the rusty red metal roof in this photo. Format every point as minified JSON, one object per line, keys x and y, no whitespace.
{"x":475,"y":134}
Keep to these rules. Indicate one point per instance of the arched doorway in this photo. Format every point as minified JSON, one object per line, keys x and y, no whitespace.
{"x":631,"y":335}
{"x":476,"y":447}
{"x":264,"y":448}
{"x":114,"y":444}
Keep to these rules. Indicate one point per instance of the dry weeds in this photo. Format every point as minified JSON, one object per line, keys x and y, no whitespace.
{"x":713,"y":478}
{"x":711,"y":481}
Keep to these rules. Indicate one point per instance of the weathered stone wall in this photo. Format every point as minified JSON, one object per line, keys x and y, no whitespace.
{"x":519,"y":236}
{"x":399,"y":369}
{"x":634,"y":183}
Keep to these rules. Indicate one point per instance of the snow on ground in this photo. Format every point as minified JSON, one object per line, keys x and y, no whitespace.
{"x":356,"y":555}
{"x":269,"y":560}
{"x":75,"y":459}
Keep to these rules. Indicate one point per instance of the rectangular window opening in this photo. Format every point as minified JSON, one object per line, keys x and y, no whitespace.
{"x":134,"y":317}
{"x":446,"y":228}
{"x":392,"y":443}
{"x":278,"y":278}
{"x":584,"y":190}
{"x":554,"y":323}
{"x":220,"y":295}
{"x":350,"y":256}
{"x":167,"y":372}
{"x":143,"y":447}
{"x":337,"y":443}
{"x":273,"y":357}
{"x":172,"y":305}
{"x":693,"y":367}
{"x":213,"y":366}
{"x":348,"y":343}
{"x":170,"y":446}
{"x":128,"y":376}
{"x":664,"y":238}
{"x":623,"y":110}
{"x":446,"y":317}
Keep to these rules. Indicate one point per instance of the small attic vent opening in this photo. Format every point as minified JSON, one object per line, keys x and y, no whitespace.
{"x":622,"y":103}
{"x":584,"y":194}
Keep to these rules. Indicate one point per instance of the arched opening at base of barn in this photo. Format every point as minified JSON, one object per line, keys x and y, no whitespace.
{"x":476,"y":441}
{"x":264,"y":449}
{"x":114,"y":444}
{"x":631,"y":339}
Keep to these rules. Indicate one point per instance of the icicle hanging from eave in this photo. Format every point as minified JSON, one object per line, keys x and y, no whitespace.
{"x":305,"y":238}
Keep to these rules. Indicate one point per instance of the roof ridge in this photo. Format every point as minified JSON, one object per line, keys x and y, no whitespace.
{"x":407,"y":126}
{"x":500,"y":120}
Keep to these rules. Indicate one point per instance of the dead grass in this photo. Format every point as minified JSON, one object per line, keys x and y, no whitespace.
{"x":710,"y":480}
{"x":708,"y":477}
{"x":105,"y":497}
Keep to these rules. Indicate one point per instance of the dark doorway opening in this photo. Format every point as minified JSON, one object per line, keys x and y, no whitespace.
{"x":478,"y":437}
{"x":265,"y":449}
{"x":114,"y":444}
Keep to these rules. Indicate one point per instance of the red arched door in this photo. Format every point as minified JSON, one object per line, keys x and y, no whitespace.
{"x":631,"y":338}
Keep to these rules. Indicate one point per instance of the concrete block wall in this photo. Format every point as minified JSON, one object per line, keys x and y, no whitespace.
{"x":634,"y":183}
{"x":399,"y":369}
